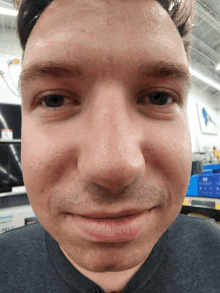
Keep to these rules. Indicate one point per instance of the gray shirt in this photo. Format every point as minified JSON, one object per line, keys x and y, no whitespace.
{"x":185,"y":259}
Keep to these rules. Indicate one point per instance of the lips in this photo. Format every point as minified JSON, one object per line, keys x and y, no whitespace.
{"x":105,"y":227}
{"x":105,"y":215}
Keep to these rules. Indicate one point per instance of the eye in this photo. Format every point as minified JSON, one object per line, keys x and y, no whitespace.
{"x":157,"y":98}
{"x":56,"y":101}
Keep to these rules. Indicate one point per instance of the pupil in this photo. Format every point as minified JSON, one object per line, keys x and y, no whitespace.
{"x":160,"y":98}
{"x":54,"y":100}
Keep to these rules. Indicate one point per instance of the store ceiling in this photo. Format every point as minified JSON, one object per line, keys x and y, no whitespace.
{"x":205,"y":48}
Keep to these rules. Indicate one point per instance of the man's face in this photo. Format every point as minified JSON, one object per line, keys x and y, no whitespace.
{"x":106,"y":147}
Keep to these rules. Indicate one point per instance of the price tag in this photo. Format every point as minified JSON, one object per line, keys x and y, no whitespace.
{"x":7,"y":134}
{"x":5,"y":224}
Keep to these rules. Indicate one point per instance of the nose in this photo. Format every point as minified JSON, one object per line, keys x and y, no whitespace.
{"x":111,"y":155}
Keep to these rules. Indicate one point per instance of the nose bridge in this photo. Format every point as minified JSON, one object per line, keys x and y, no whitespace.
{"x":110,"y":118}
{"x":111,"y":157}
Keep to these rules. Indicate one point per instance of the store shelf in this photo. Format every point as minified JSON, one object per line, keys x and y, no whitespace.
{"x":202,"y":207}
{"x":15,"y":191}
{"x":10,"y":141}
{"x":203,"y":202}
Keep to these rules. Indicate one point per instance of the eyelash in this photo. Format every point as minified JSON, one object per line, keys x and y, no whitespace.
{"x":169,"y":93}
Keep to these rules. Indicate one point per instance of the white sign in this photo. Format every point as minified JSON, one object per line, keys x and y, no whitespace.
{"x":10,"y":222}
{"x":207,"y":122}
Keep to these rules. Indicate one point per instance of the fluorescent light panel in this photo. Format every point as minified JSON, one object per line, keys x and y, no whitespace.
{"x":7,"y":11}
{"x":204,"y":78}
{"x":218,"y":67}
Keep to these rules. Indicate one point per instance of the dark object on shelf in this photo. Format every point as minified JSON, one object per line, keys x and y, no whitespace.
{"x":208,"y":212}
{"x":29,"y":221}
{"x":15,"y":200}
{"x":10,"y":166}
{"x":197,"y":168}
{"x":10,"y":118}
{"x":216,"y":171}
{"x":10,"y":160}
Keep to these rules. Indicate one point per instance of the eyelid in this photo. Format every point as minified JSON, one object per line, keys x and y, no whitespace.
{"x":43,"y":95}
{"x":65,"y":93}
{"x":176,"y":98}
{"x":161,"y":90}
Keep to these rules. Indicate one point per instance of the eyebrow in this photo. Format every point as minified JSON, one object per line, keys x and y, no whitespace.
{"x":61,"y":69}
{"x":164,"y":68}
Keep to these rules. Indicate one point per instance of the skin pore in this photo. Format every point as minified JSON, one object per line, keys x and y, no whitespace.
{"x":101,"y":149}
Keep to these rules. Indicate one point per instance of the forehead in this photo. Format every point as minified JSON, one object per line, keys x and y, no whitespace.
{"x":107,"y":18}
{"x":116,"y":31}
{"x":120,"y":10}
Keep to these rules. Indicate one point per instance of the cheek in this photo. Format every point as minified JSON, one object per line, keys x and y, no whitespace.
{"x":183,"y":149}
{"x":46,"y":160}
{"x":169,"y":153}
{"x":180,"y":158}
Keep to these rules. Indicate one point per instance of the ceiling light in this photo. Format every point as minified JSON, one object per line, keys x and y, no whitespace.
{"x":204,"y":78}
{"x":7,"y":11}
{"x":218,"y":67}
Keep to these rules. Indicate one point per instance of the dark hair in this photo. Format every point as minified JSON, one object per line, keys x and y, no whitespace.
{"x":182,"y":13}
